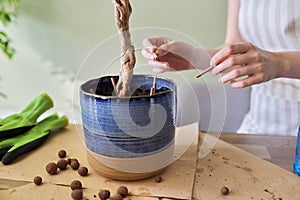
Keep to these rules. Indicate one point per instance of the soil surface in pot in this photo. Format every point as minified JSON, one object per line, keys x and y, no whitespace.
{"x":106,"y":89}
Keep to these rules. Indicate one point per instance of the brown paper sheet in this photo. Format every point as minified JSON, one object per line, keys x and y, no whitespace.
{"x":246,"y":176}
{"x":177,"y":182}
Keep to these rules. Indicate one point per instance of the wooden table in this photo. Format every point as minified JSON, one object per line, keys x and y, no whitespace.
{"x":279,"y":150}
{"x":227,"y":164}
{"x":247,"y":176}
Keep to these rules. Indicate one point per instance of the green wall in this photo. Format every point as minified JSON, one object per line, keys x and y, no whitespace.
{"x":66,"y":30}
{"x":53,"y":37}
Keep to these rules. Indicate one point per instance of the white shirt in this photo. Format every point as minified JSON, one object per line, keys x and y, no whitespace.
{"x":273,"y":25}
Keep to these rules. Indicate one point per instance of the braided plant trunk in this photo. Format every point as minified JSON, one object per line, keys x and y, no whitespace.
{"x":123,"y":11}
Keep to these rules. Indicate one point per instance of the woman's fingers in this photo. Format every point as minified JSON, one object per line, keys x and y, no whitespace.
{"x":247,"y":81}
{"x":232,"y":61}
{"x":165,"y":55}
{"x":158,"y":45}
{"x":155,"y":42}
{"x":148,"y":53}
{"x":243,"y":76}
{"x":230,"y":50}
{"x":149,"y":42}
{"x":159,"y":67}
{"x":235,"y":73}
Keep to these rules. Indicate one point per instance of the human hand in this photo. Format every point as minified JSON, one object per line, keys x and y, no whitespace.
{"x":248,"y":61}
{"x":172,"y":55}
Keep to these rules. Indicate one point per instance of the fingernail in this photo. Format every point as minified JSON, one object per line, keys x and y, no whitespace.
{"x":150,"y":49}
{"x":214,"y":72}
{"x":158,"y":51}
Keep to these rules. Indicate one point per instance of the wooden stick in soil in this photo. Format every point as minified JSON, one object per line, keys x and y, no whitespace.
{"x":92,"y":91}
{"x":153,"y":88}
{"x":123,"y":11}
{"x":113,"y":83}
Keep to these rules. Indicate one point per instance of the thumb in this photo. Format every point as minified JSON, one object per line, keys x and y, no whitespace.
{"x":168,"y":47}
{"x":163,"y":49}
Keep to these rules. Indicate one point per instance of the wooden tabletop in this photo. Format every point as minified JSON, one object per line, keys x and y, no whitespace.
{"x":226,"y":164}
{"x":279,"y":150}
{"x":238,"y":162}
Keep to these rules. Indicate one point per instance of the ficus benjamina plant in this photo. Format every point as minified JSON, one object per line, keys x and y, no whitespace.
{"x":8,"y":13}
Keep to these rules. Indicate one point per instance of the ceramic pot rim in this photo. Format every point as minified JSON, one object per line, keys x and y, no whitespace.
{"x":87,"y":93}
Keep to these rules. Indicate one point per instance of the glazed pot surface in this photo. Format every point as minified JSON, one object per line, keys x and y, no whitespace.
{"x":132,"y":127}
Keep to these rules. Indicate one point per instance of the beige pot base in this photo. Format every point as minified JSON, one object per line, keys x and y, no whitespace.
{"x":109,"y":172}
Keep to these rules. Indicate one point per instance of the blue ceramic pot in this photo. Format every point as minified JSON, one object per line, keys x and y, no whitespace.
{"x":128,"y":127}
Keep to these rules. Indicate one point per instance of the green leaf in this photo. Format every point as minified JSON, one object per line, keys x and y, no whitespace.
{"x":5,"y":45}
{"x":8,"y":12}
{"x":3,"y":34}
{"x":7,"y":17}
{"x":2,"y":95}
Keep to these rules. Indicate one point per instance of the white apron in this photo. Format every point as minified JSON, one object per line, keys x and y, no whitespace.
{"x":273,"y":25}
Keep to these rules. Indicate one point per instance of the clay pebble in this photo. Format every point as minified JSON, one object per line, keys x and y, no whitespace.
{"x":62,"y":153}
{"x":116,"y":197}
{"x":77,"y":194}
{"x":37,"y":180}
{"x":76,"y":184}
{"x":225,"y":190}
{"x":123,"y":191}
{"x":83,"y":171}
{"x":51,"y":168}
{"x":104,"y":194}
{"x":74,"y":164}
{"x":62,"y":164}
{"x":69,"y":161}
{"x":158,"y":179}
